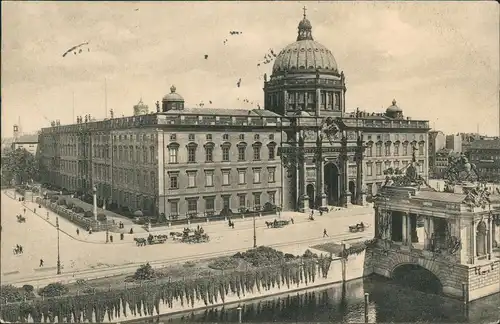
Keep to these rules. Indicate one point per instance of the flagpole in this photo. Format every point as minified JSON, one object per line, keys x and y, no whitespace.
{"x":105,"y":98}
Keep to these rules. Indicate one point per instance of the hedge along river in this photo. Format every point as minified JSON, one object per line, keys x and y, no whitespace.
{"x":389,"y":302}
{"x":184,"y":295}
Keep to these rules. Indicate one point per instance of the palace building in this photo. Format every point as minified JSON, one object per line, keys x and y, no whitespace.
{"x":301,"y":151}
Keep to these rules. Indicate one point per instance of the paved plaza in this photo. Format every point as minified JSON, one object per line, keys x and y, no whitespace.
{"x":86,"y":255}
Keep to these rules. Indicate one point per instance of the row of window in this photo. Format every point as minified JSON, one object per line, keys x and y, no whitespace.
{"x":173,"y":152}
{"x":389,"y":164}
{"x":225,"y":137}
{"x":387,"y":150}
{"x":192,"y":203}
{"x":226,"y":177}
{"x":397,"y":137}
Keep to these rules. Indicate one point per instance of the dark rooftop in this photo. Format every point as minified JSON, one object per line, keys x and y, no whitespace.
{"x":440,"y":196}
{"x":488,"y":144}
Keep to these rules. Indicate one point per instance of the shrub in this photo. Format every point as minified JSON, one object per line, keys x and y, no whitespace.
{"x":61,"y":201}
{"x":53,"y":290}
{"x":28,"y":288}
{"x":10,"y":294}
{"x":101,"y":217}
{"x":78,"y":209}
{"x":70,"y":205}
{"x":224,"y":263}
{"x":54,"y":198}
{"x":261,"y":256}
{"x":88,"y":213}
{"x":145,"y":272}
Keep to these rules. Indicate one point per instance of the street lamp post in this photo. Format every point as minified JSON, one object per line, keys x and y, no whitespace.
{"x":58,"y":250}
{"x":254,"y":232}
{"x":94,"y":196}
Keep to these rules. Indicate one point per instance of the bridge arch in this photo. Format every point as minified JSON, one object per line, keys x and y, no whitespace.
{"x":422,"y":277}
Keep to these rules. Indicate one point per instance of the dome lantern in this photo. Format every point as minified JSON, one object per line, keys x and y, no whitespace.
{"x":305,"y":28}
{"x":172,"y":100}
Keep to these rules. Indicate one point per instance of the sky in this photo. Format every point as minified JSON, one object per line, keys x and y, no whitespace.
{"x":439,"y":60}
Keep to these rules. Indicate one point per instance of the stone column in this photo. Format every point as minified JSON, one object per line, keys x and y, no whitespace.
{"x":285,"y":99}
{"x":490,"y":237}
{"x":473,"y":236}
{"x":296,"y":100}
{"x":404,"y":229}
{"x":318,"y":101}
{"x":306,"y":96}
{"x":427,"y":239}
{"x":378,"y":219}
{"x":408,"y":229}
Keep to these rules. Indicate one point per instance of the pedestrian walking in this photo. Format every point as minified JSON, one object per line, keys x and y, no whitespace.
{"x":41,"y":263}
{"x":25,"y":210}
{"x":324,"y":233}
{"x":111,"y":238}
{"x":122,"y":236}
{"x":34,"y":210}
{"x":320,"y":212}
{"x":47,"y":215}
{"x":312,"y":213}
{"x":77,"y":231}
{"x":292,"y":221}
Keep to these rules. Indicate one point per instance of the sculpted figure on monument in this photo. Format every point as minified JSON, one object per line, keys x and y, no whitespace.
{"x":460,"y":169}
{"x":330,"y":129}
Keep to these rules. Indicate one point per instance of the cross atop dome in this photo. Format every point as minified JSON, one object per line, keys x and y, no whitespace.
{"x":305,"y":28}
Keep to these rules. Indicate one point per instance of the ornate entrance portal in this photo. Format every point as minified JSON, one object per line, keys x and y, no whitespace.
{"x":331,"y":179}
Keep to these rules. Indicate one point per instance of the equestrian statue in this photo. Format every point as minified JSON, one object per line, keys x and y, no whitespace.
{"x":460,"y":169}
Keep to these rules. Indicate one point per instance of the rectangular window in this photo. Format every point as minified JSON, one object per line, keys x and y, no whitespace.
{"x":256,"y":153}
{"x":225,"y":137}
{"x":378,"y":167}
{"x":379,"y":150}
{"x":405,"y":149}
{"x":421,"y":149}
{"x":242,"y":200}
{"x":173,"y":137}
{"x":271,"y":178}
{"x":225,"y":178}
{"x":241,"y":153}
{"x":174,"y":208}
{"x":396,"y":149}
{"x":209,"y":178}
{"x":226,"y":201}
{"x":369,"y":169}
{"x":192,"y":206}
{"x":225,"y":154}
{"x":209,"y":203}
{"x":272,"y":197}
{"x":256,"y":200}
{"x":191,"y":154}
{"x":209,"y":154}
{"x":256,"y":175}
{"x":242,"y":176}
{"x":369,"y":151}
{"x":242,"y":137}
{"x":174,"y":181}
{"x":271,"y":137}
{"x":172,"y":155}
{"x":191,"y":179}
{"x":209,"y":137}
{"x":387,"y":149}
{"x":271,"y":153}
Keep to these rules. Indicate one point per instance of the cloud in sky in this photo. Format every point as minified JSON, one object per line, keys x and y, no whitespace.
{"x":440,"y":60}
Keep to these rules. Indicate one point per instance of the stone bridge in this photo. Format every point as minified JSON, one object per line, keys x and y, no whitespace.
{"x":450,"y":275}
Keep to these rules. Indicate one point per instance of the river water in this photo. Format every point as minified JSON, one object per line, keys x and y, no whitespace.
{"x":389,"y":302}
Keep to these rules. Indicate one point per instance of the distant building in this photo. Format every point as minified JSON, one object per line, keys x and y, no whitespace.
{"x":437,"y":142}
{"x":441,"y":162}
{"x":27,"y":142}
{"x":485,"y":154}
{"x":461,"y":142}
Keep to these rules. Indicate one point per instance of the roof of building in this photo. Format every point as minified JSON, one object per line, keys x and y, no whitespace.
{"x":488,"y":144}
{"x":223,"y":112}
{"x":440,"y":196}
{"x":305,"y":54}
{"x":27,"y":138}
{"x":393,"y":108}
{"x":173,"y":96}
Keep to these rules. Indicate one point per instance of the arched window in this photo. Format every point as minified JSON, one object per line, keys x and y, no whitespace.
{"x":145,"y":155}
{"x":481,"y":235}
{"x":378,"y":149}
{"x":388,"y":148}
{"x":369,"y":149}
{"x":421,"y":146}
{"x":396,"y":148}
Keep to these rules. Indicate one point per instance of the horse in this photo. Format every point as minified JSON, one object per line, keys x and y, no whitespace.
{"x":140,"y":241}
{"x":268,"y":224}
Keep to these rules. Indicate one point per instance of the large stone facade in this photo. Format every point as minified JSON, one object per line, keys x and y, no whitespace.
{"x":302,"y":151}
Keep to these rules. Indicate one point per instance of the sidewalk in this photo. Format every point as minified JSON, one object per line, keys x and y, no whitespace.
{"x":68,"y":228}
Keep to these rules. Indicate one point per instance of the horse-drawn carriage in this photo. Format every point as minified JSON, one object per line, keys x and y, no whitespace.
{"x":191,"y":236}
{"x":357,"y":228}
{"x":151,"y":239}
{"x":21,"y":219}
{"x":277,"y":223}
